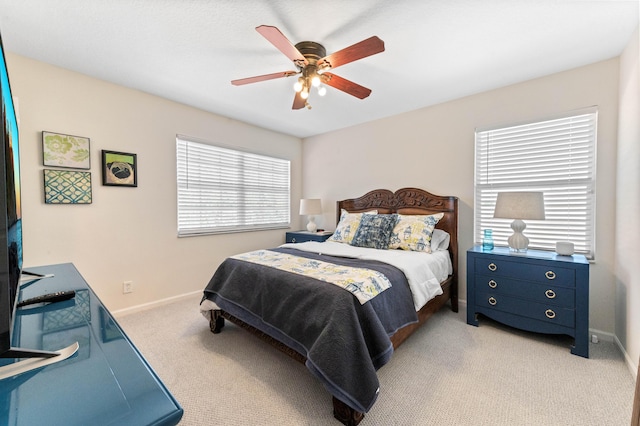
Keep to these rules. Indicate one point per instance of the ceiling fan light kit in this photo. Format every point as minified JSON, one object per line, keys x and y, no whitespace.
{"x":313,"y":63}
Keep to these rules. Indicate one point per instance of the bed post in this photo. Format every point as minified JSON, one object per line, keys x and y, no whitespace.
{"x":216,"y":322}
{"x":453,"y":251}
{"x":345,"y":414}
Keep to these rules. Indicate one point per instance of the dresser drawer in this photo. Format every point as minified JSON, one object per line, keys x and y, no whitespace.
{"x":536,"y":292}
{"x":548,"y":274}
{"x":526,"y":308}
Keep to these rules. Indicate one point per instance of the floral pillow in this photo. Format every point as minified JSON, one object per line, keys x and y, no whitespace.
{"x":348,"y":225}
{"x":414,"y":232}
{"x":374,"y":231}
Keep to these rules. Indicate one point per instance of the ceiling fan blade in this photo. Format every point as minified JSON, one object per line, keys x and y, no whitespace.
{"x":360,"y":50}
{"x":345,"y":85}
{"x":298,"y":102}
{"x":258,"y":78}
{"x":275,"y":37}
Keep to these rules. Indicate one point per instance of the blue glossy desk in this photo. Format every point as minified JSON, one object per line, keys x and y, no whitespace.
{"x":107,"y":382}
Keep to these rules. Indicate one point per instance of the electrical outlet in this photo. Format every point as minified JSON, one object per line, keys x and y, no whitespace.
{"x":127,"y":287}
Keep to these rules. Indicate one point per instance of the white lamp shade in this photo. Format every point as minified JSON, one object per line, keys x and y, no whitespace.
{"x":310,"y":206}
{"x":520,"y":205}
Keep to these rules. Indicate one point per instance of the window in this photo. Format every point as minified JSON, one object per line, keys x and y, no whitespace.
{"x":555,"y":156}
{"x":225,"y":190}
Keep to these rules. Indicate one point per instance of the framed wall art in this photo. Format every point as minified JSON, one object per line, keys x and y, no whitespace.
{"x":119,"y":168}
{"x":67,"y":187}
{"x":67,"y":151}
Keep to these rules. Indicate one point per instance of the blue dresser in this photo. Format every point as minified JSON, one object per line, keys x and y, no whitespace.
{"x":106,"y":382}
{"x":536,"y":291}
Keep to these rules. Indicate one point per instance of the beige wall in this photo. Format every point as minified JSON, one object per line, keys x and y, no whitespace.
{"x":627,"y":235}
{"x":127,"y":233}
{"x":433,"y":149}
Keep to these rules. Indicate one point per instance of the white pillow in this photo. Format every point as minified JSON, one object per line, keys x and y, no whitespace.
{"x":440,"y":240}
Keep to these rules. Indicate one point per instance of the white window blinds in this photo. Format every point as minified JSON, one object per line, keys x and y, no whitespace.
{"x":225,"y":190}
{"x":556,"y":157}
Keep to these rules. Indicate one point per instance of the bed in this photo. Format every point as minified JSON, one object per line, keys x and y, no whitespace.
{"x":343,"y":346}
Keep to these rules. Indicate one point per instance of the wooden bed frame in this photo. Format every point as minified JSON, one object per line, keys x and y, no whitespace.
{"x":408,"y":201}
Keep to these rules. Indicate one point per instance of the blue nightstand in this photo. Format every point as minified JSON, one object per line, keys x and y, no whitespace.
{"x":536,"y":291}
{"x":304,"y":236}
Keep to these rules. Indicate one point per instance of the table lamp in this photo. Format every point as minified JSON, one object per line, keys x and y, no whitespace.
{"x":311,"y":207}
{"x":519,"y":206}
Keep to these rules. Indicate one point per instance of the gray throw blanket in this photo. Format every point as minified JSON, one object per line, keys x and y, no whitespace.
{"x":344,"y":342}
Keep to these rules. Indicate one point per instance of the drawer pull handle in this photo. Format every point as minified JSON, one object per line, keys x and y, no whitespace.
{"x":492,"y":267}
{"x":550,"y":294}
{"x":493,"y":284}
{"x":550,"y":314}
{"x":550,"y":275}
{"x":493,"y":301}
{"x":293,"y":240}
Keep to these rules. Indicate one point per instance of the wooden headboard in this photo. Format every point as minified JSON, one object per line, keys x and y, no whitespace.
{"x":411,"y":201}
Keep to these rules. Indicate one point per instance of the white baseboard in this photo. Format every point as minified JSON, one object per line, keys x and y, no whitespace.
{"x":602,"y":335}
{"x":138,"y":308}
{"x":462,"y":307}
{"x":633,"y":367}
{"x":610,"y":337}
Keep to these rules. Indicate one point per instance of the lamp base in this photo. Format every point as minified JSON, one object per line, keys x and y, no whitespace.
{"x":517,"y":250}
{"x":311,"y":226}
{"x":517,"y":241}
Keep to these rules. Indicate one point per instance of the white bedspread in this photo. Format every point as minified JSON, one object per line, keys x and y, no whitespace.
{"x":424,"y":271}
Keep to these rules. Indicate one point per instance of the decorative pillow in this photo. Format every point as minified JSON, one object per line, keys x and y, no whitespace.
{"x":348,"y":225}
{"x":374,"y":231}
{"x":414,"y":232}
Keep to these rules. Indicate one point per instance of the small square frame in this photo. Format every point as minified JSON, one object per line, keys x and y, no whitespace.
{"x":67,"y":151}
{"x":119,"y":168}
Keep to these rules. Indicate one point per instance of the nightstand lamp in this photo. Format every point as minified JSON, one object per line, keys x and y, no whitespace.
{"x":311,"y":207}
{"x":519,"y":206}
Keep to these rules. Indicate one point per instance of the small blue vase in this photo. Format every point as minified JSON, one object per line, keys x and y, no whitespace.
{"x":487,"y":241}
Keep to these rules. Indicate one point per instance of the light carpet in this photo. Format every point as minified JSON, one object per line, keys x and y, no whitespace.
{"x":447,"y":373}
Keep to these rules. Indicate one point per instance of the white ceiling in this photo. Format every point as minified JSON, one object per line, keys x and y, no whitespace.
{"x":436,"y":50}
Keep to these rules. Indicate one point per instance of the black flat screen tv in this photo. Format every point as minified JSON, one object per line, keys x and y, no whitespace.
{"x":11,"y":239}
{"x":10,"y":209}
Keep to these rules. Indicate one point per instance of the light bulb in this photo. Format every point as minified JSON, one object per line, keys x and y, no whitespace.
{"x":297,"y":86}
{"x":322,"y":90}
{"x":315,"y":81}
{"x":304,"y":94}
{"x":324,"y":67}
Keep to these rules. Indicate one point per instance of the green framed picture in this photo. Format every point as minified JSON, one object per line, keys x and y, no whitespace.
{"x":119,"y":168}
{"x":67,"y":187}
{"x":67,"y":151}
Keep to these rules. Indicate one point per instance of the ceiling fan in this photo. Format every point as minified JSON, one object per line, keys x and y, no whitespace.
{"x":313,"y":64}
